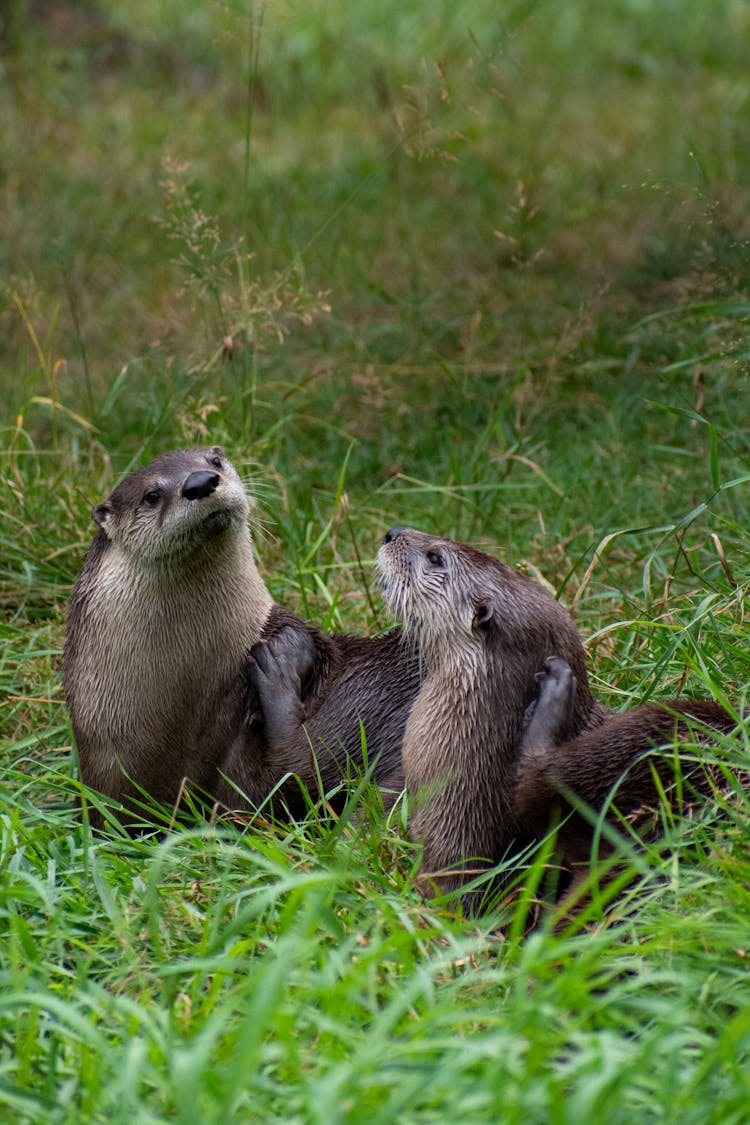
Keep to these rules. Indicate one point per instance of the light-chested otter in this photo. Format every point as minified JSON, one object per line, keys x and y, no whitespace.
{"x":480,"y":751}
{"x":162,"y":617}
{"x":482,"y":631}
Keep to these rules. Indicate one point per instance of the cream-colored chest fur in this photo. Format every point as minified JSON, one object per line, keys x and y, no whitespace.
{"x":163,"y":648}
{"x":445,"y":722}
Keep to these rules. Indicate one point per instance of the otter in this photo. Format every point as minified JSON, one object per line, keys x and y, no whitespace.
{"x":162,"y":617}
{"x":488,"y":755}
{"x":482,"y":631}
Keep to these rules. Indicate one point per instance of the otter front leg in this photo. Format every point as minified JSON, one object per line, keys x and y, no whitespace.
{"x":549,"y":715}
{"x":278,"y":671}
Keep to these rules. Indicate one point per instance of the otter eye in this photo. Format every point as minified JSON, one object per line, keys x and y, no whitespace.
{"x":216,"y":462}
{"x":152,"y":497}
{"x":435,"y":558}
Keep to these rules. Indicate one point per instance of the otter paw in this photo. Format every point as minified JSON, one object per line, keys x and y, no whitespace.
{"x":557,"y":686}
{"x":278,"y":670}
{"x":285,"y":661}
{"x":549,"y":714}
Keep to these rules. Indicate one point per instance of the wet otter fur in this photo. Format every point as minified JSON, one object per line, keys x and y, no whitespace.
{"x":482,"y":631}
{"x":489,"y":752}
{"x":163,"y":615}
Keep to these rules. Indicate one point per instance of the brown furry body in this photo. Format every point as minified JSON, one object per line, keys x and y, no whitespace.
{"x":486,"y":761}
{"x":162,"y":618}
{"x":482,"y":631}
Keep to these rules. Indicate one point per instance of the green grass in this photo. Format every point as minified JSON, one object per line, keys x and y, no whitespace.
{"x":478,"y":269}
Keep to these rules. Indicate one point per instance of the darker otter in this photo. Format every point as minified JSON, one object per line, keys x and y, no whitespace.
{"x":165,"y":610}
{"x":488,"y":762}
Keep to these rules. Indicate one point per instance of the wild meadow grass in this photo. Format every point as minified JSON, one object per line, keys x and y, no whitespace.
{"x":478,"y":269}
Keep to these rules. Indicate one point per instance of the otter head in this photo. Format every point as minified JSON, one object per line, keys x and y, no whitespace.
{"x":175,"y":505}
{"x":456,"y":602}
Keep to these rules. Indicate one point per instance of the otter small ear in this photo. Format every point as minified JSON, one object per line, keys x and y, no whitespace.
{"x":102,"y":512}
{"x":483,"y":614}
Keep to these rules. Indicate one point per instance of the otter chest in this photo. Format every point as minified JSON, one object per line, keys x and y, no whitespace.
{"x":162,"y":659}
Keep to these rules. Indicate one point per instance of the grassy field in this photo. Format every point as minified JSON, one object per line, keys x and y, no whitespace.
{"x":478,"y":268}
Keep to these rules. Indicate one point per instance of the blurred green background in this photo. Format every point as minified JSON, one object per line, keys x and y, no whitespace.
{"x":458,"y":235}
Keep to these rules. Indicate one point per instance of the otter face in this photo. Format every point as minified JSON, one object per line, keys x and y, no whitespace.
{"x":451,"y":596}
{"x":432,"y":585}
{"x":174,"y":505}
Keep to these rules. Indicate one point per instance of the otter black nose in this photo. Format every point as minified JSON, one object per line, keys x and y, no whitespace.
{"x":199,"y":485}
{"x":389,"y":535}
